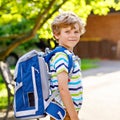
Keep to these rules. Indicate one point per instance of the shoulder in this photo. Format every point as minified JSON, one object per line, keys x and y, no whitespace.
{"x":60,"y":56}
{"x":59,"y":61}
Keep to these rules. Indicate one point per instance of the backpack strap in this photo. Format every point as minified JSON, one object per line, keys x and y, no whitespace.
{"x":49,"y":55}
{"x":52,"y":108}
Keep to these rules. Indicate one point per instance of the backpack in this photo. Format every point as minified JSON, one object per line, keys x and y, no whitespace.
{"x":32,"y":97}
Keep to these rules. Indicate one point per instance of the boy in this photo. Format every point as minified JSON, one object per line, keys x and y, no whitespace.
{"x":67,"y":29}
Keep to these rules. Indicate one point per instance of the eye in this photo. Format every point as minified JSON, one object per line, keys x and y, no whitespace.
{"x":76,"y":31}
{"x":67,"y":31}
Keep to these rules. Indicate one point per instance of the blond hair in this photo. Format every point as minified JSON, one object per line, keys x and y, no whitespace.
{"x":66,"y":19}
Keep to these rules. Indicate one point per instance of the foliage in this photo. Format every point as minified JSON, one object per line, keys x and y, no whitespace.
{"x":25,"y":20}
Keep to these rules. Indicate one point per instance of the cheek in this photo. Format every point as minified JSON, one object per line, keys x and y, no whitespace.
{"x":79,"y":37}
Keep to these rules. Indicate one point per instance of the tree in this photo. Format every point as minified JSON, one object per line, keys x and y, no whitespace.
{"x":23,"y":20}
{"x":34,"y":13}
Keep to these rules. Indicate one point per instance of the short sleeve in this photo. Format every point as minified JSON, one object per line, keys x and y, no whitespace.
{"x":60,"y":62}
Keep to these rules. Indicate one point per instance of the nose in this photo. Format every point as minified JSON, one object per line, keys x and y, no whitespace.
{"x":72,"y":34}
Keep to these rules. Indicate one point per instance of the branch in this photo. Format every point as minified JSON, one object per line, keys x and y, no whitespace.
{"x":14,"y":36}
{"x":56,"y":9}
{"x":41,"y":16}
{"x":36,"y":26}
{"x":2,"y":5}
{"x":26,"y":37}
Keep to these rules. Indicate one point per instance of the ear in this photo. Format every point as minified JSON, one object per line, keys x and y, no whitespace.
{"x":56,"y":36}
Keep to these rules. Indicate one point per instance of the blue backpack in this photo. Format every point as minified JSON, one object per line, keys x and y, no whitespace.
{"x":32,"y":98}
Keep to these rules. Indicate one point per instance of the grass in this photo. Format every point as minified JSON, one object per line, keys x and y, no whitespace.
{"x":88,"y":63}
{"x":3,"y":94}
{"x":85,"y":64}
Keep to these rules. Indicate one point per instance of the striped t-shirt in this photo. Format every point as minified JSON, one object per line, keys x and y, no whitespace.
{"x":59,"y":63}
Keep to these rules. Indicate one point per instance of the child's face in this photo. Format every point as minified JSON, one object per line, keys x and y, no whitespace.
{"x":69,"y":36}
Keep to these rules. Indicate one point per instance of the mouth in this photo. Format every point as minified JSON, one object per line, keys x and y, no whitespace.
{"x":73,"y":40}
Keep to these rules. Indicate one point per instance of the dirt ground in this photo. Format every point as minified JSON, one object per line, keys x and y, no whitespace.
{"x":2,"y":114}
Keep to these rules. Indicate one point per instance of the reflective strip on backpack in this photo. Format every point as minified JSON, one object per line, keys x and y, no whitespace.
{"x":60,"y":114}
{"x":18,"y":86}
